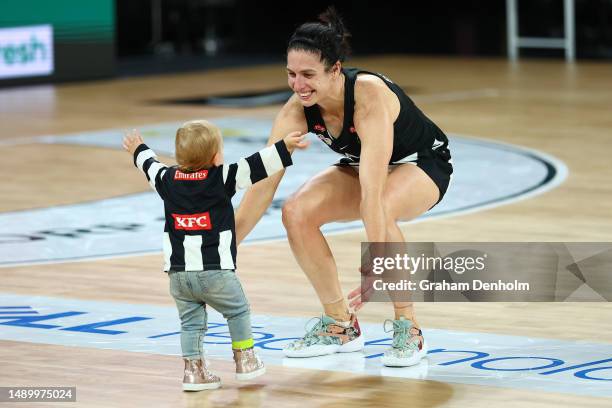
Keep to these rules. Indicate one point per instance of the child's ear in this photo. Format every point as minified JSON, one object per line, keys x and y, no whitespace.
{"x":218,"y":159}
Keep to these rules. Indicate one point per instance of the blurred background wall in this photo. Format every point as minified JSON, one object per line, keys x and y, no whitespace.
{"x":105,"y":38}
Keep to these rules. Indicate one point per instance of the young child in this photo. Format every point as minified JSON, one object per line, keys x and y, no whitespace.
{"x":199,"y":237}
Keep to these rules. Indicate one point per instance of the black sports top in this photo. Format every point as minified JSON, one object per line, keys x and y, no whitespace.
{"x":412,"y":130}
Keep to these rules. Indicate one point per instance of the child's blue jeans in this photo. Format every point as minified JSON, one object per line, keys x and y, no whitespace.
{"x":221,"y":290}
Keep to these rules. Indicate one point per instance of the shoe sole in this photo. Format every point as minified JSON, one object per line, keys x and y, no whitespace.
{"x":357,"y":344}
{"x":201,"y":387}
{"x":251,"y":375}
{"x":405,"y":362}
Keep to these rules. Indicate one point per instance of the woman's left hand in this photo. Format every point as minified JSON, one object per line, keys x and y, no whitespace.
{"x":359,"y":296}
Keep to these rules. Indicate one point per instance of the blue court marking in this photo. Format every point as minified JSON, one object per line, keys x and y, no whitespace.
{"x":573,"y":367}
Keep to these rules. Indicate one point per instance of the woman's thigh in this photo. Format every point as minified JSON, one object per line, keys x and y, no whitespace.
{"x":335,"y":195}
{"x":332,"y":195}
{"x":409,"y":192}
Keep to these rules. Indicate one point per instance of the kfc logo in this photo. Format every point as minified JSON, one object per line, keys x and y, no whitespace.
{"x":319,"y":128}
{"x":352,"y":129}
{"x":192,"y":222}
{"x":198,"y":175}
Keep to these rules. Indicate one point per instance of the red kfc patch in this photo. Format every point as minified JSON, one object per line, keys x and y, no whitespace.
{"x":192,"y":222}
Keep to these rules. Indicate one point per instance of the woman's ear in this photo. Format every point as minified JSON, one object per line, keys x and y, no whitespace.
{"x":337,"y":68}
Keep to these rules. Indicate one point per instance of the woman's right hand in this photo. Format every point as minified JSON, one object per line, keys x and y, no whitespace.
{"x":296,"y":140}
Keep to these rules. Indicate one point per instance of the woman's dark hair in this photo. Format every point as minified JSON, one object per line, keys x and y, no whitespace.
{"x":327,"y":37}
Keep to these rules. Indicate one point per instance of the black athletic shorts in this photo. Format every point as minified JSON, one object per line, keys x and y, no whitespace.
{"x":435,"y":161}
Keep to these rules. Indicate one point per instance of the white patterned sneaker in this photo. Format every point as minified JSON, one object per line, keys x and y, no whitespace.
{"x":408,"y":346}
{"x":327,"y":336}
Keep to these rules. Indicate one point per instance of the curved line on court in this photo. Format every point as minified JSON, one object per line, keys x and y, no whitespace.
{"x":556,"y":174}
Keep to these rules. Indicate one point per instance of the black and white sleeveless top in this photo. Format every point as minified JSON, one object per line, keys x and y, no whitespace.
{"x":412,"y":130}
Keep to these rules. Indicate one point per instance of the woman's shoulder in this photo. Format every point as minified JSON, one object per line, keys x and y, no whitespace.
{"x":369,"y":83}
{"x":292,"y":115}
{"x":292,"y":109}
{"x":372,"y":93}
{"x":369,"y":88}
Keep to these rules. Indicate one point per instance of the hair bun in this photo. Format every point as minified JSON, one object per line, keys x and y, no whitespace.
{"x":331,"y":18}
{"x":328,"y":36}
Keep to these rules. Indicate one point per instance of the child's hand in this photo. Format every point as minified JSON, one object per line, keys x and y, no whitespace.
{"x":296,"y":140}
{"x":132,"y":140}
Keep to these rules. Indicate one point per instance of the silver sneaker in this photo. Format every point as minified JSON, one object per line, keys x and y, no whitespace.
{"x":327,"y":336}
{"x":408,"y":347}
{"x":197,"y":377}
{"x":248,"y":364}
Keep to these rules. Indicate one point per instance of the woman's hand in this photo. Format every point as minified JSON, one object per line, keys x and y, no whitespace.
{"x":359,"y":296}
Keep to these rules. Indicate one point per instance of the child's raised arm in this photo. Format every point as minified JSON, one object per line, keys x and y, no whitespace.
{"x":262,"y":164}
{"x":145,"y":159}
{"x":132,"y":140}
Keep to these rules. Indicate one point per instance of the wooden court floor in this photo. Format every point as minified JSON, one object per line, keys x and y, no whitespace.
{"x":560,"y":109}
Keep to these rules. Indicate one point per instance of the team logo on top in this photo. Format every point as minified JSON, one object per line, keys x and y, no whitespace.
{"x":325,"y":139}
{"x":352,"y":129}
{"x":319,"y":128}
{"x":192,"y":222}
{"x":198,"y":175}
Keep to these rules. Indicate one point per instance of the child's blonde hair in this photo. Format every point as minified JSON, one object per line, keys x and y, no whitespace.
{"x":196,"y":144}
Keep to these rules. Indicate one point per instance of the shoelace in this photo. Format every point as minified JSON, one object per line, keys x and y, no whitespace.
{"x":400,"y":335}
{"x":311,"y":336}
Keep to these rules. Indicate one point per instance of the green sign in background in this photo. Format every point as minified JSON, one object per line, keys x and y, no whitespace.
{"x":72,"y":20}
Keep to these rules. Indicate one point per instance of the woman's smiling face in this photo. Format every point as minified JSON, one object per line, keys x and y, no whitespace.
{"x":307,"y":77}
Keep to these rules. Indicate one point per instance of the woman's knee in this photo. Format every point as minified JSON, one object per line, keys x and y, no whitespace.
{"x":298,"y":212}
{"x":391,"y":216}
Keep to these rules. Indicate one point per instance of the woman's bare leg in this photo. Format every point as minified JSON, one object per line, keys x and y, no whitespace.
{"x":332,"y":195}
{"x":409,"y":193}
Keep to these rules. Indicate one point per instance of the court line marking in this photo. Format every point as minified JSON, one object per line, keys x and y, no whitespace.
{"x":557,"y":174}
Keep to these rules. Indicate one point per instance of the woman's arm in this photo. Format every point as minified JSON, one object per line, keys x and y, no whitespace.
{"x":375,"y":112}
{"x":258,"y":198}
{"x":373,"y":120}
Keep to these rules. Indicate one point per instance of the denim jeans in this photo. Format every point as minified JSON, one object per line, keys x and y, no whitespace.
{"x":220,"y":289}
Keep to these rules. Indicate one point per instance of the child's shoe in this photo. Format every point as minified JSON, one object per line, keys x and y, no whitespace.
{"x":248,"y":364}
{"x":198,"y":378}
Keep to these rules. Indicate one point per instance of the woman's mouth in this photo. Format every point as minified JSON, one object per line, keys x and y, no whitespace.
{"x":305,"y":95}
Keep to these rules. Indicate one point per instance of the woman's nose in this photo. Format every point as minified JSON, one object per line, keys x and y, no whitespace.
{"x":298,"y":83}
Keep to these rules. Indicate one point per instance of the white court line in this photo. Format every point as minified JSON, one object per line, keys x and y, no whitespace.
{"x":560,"y":175}
{"x":458,"y":96}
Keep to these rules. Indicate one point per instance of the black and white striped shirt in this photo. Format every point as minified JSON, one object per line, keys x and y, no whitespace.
{"x":199,"y":233}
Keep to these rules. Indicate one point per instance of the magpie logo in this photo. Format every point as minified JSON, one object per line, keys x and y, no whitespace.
{"x":325,"y":139}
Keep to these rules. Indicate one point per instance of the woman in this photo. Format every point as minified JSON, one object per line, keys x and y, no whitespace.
{"x":396,"y":166}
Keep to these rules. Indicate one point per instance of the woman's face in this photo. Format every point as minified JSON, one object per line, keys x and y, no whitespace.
{"x":307,"y":77}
